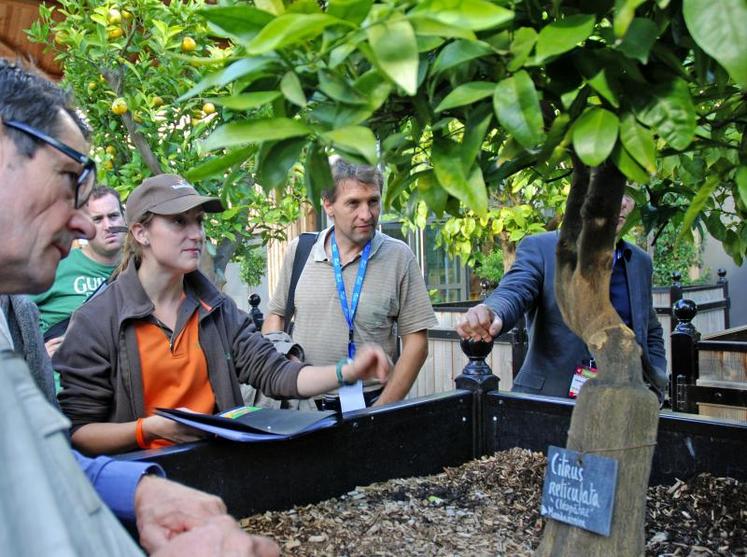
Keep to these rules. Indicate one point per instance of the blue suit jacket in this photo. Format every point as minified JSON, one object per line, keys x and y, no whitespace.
{"x":554,"y":350}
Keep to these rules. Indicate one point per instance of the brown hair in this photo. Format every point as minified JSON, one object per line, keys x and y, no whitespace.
{"x":343,"y":170}
{"x":132,"y":249}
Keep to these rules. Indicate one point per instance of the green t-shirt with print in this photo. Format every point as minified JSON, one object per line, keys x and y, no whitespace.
{"x":78,"y":276}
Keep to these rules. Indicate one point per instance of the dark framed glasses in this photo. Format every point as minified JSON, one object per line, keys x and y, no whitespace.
{"x":87,"y":176}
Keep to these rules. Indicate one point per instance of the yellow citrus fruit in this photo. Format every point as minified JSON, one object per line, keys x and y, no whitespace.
{"x":119,"y":106}
{"x":115,"y":33}
{"x":110,"y":149}
{"x":157,"y":101}
{"x":126,"y":15}
{"x":115,"y":16}
{"x":108,"y":165}
{"x":188,"y":44}
{"x":208,"y":108}
{"x":194,"y":121}
{"x":92,"y":85}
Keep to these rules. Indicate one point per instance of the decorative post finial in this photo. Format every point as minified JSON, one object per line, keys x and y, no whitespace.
{"x":255,"y":312}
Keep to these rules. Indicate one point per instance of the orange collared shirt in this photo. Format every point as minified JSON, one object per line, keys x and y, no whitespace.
{"x":173,"y":376}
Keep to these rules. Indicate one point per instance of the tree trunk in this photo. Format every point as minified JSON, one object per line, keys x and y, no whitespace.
{"x":616,"y":415}
{"x":509,"y":251}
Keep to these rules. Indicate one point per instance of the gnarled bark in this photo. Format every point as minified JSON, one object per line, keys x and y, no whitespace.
{"x":616,"y":415}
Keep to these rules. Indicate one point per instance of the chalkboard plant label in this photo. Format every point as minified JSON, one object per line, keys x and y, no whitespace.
{"x":579,"y":489}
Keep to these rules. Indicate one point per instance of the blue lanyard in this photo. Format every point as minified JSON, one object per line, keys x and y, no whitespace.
{"x":349,"y":312}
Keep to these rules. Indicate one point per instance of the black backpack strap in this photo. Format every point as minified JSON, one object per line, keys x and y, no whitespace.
{"x":305,"y":242}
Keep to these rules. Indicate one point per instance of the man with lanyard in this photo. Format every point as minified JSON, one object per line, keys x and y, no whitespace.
{"x":556,"y":355}
{"x":356,"y":286}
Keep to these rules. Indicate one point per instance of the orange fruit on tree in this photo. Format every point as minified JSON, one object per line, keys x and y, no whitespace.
{"x":119,"y":106}
{"x":188,"y":44}
{"x":115,"y":16}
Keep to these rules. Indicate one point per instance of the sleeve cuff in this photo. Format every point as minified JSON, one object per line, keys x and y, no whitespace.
{"x":116,"y":482}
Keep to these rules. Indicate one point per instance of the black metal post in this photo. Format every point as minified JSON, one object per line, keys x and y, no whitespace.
{"x":675,"y":293}
{"x":478,"y":378}
{"x":724,"y":283}
{"x":255,"y":312}
{"x":684,"y":355}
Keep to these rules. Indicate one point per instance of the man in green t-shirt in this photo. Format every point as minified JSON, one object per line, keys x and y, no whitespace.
{"x":83,"y":271}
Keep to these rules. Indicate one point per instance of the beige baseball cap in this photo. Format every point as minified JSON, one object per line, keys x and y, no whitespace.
{"x":167,"y":194}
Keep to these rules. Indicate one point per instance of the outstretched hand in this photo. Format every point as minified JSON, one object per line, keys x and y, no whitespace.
{"x":479,"y":323}
{"x":371,"y":362}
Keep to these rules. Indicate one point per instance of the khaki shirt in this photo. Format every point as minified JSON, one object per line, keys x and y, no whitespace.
{"x":393,"y":292}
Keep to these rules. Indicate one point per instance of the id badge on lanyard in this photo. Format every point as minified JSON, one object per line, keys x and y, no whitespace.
{"x":351,"y":396}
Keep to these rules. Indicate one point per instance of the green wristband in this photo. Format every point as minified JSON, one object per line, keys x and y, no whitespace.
{"x":338,"y":368}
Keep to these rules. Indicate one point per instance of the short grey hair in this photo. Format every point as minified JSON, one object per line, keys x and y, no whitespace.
{"x":343,"y":170}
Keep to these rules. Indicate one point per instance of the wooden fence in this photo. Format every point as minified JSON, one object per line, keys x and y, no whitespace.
{"x":709,"y":374}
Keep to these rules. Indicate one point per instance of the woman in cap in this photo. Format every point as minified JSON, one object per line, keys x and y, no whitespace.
{"x":161,"y":335}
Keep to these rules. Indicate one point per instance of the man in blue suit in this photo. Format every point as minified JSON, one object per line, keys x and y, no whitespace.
{"x":554,"y":350}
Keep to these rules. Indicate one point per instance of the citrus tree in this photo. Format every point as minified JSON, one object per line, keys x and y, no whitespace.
{"x":458,"y":97}
{"x":128,"y":62}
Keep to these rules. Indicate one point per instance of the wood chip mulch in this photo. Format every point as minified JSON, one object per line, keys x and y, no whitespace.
{"x":491,"y":507}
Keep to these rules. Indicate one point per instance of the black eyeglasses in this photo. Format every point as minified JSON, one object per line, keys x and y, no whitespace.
{"x":87,"y":176}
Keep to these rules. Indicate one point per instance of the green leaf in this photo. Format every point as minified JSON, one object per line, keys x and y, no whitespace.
{"x":517,"y":107}
{"x":741,"y":179}
{"x":624,"y":14}
{"x":476,"y":15}
{"x":289,"y":29}
{"x":246,"y":101}
{"x":240,"y":22}
{"x":474,"y":134}
{"x":594,"y":135}
{"x":625,"y":164}
{"x":469,"y":189}
{"x":218,"y":165}
{"x":337,"y":89}
{"x":639,"y":39}
{"x":374,"y":87}
{"x":317,"y":174}
{"x":291,"y":87}
{"x":521,"y":47}
{"x":720,"y":29}
{"x":275,"y":161}
{"x":231,"y":73}
{"x":563,"y":35}
{"x":602,"y":85}
{"x":427,"y":26}
{"x":459,"y":52}
{"x":357,"y":139}
{"x":639,"y":142}
{"x":670,"y":111}
{"x":432,"y":193}
{"x":698,"y":202}
{"x":254,"y":131}
{"x":466,"y":94}
{"x":396,"y":51}
{"x":275,"y":7}
{"x":354,"y":11}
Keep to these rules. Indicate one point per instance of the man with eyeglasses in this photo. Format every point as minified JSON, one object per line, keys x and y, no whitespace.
{"x":49,"y":507}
